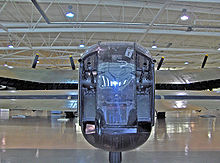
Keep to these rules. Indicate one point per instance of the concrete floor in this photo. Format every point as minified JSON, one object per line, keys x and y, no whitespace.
{"x":182,"y":137}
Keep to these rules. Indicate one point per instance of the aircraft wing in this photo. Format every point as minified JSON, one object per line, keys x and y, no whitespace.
{"x":194,"y":79}
{"x":39,"y":75}
{"x":23,"y":78}
{"x":38,"y":79}
{"x":170,"y":100}
{"x":39,"y":100}
{"x":67,"y":100}
{"x":187,"y":76}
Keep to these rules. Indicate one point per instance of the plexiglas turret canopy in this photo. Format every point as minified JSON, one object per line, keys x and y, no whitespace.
{"x":104,"y":46}
{"x":116,"y":95}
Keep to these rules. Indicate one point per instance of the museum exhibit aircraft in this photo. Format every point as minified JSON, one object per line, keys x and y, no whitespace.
{"x":116,"y":94}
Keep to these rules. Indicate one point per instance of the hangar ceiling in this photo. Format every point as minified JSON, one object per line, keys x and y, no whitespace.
{"x":182,"y":43}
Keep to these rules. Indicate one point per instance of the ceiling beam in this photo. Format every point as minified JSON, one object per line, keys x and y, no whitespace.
{"x":3,"y":27}
{"x":109,"y":30}
{"x":175,"y":6}
{"x":114,"y":24}
{"x":199,"y":1}
{"x":44,"y":48}
{"x":83,"y":49}
{"x":42,"y":58}
{"x":153,"y":21}
{"x":185,"y":50}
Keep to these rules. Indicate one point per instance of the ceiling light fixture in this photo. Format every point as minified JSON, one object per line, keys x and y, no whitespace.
{"x":154,"y":46}
{"x":70,"y":14}
{"x":10,"y":67}
{"x":11,"y":46}
{"x":81,"y":45}
{"x":218,"y":47}
{"x":184,"y":16}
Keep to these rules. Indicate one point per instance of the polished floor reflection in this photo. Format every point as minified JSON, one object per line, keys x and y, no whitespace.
{"x":40,"y":137}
